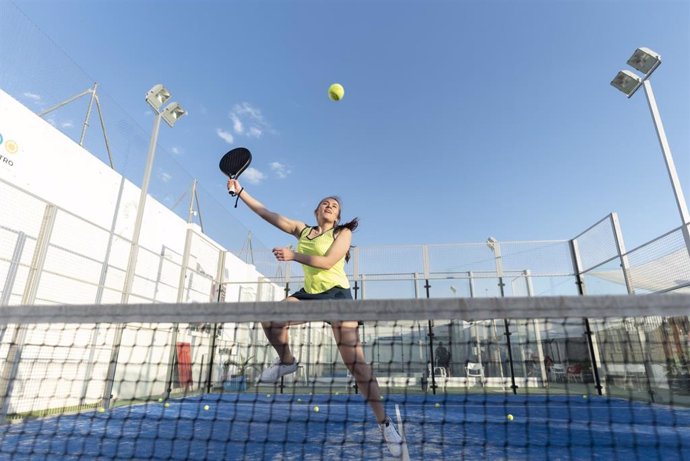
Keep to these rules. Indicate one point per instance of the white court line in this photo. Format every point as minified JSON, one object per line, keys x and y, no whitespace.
{"x":405,"y":453}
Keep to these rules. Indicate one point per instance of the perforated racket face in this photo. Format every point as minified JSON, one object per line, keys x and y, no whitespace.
{"x":235,"y":162}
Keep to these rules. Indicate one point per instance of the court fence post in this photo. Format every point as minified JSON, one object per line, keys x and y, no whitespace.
{"x":592,"y":346}
{"x":641,"y":334}
{"x":9,"y":368}
{"x":220,"y":297}
{"x":495,"y":248}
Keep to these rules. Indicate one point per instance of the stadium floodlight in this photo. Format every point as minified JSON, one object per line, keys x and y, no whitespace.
{"x":627,"y":82}
{"x":643,"y":60}
{"x":172,"y":113}
{"x":646,"y":61}
{"x":157,"y":96}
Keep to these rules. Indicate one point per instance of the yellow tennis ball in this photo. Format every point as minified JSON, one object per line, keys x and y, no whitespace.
{"x":206,"y":407}
{"x":167,"y":404}
{"x":160,"y":400}
{"x":336,"y":92}
{"x":101,"y":409}
{"x":316,"y":408}
{"x":437,"y":405}
{"x":510,"y":417}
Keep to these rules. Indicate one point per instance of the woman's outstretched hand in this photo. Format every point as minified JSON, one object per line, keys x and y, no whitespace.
{"x":284,"y":254}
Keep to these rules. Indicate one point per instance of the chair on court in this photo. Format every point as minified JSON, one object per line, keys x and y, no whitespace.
{"x":558,"y":372}
{"x":476,"y":371}
{"x":574,"y":373}
{"x":440,"y":372}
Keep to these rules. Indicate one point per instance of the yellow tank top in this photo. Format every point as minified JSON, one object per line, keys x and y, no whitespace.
{"x":320,"y":280}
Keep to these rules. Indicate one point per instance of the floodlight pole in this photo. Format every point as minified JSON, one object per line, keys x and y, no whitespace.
{"x":156,"y":97}
{"x":670,"y":165}
{"x":134,"y":248}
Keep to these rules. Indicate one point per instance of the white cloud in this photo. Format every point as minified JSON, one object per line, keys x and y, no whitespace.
{"x":176,"y":151}
{"x":165,"y":177}
{"x":280,"y":170}
{"x":252,"y":176}
{"x":32,"y":96}
{"x":67,"y":124}
{"x":225,"y":136}
{"x":247,"y":120}
{"x":237,"y":124}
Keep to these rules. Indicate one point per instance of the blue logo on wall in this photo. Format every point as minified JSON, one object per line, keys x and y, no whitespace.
{"x":0,"y":138}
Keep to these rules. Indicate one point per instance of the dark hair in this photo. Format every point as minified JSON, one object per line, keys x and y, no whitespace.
{"x":352,"y":224}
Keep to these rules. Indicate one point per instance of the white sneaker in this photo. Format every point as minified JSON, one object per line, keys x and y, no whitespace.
{"x":392,"y":438}
{"x":273,"y":373}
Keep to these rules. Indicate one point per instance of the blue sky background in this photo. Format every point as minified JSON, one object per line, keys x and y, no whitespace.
{"x":461,"y":119}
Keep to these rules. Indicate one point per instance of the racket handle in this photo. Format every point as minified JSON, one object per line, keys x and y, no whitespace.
{"x":231,"y":191}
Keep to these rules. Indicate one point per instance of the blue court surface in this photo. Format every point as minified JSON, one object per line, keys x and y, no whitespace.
{"x":287,"y":427}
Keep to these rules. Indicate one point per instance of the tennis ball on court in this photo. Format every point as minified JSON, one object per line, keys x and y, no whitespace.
{"x":167,"y":404}
{"x":101,"y":409}
{"x":437,"y":405}
{"x":510,"y":417}
{"x":206,"y":407}
{"x":316,"y":408}
{"x":160,"y":400}
{"x":336,"y":92}
{"x":268,"y":396}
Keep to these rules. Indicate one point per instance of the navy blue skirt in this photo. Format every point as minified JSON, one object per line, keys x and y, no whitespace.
{"x":333,"y":293}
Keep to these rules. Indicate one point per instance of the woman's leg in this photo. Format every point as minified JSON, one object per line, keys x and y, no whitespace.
{"x":347,"y":339}
{"x":277,"y":334}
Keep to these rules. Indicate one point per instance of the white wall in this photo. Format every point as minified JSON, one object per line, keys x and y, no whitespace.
{"x":40,"y":169}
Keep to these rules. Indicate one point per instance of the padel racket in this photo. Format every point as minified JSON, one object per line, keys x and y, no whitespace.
{"x":234,"y":163}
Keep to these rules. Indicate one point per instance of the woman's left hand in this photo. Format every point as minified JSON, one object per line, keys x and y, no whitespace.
{"x":284,"y":254}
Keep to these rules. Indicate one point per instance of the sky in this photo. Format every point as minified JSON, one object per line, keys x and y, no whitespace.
{"x":461,"y":119}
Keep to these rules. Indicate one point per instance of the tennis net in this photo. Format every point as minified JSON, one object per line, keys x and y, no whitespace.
{"x":463,"y":378}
